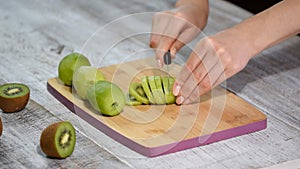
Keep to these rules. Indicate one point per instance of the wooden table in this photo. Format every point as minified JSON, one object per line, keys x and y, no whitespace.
{"x":35,"y":35}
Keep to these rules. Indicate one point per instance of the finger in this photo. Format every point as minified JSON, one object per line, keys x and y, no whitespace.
{"x":192,"y":63}
{"x":207,"y":83}
{"x":207,"y":64}
{"x":160,"y":21}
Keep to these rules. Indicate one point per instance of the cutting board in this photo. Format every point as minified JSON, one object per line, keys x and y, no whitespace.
{"x":154,"y":130}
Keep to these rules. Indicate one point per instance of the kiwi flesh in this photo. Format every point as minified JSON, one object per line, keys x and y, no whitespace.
{"x":136,"y":90}
{"x":147,"y":90}
{"x":168,"y":82}
{"x":1,"y":127}
{"x":131,"y":101}
{"x":13,"y":97}
{"x":159,"y":92}
{"x":157,"y":89}
{"x":58,"y":140}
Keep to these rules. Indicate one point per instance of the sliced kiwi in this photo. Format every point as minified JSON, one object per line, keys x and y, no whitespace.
{"x":13,"y":97}
{"x":168,"y":83}
{"x":131,"y":101}
{"x":136,"y":90}
{"x":147,"y":90}
{"x":157,"y":89}
{"x":1,"y":127}
{"x":159,"y":92}
{"x":152,"y":85}
{"x":58,"y":140}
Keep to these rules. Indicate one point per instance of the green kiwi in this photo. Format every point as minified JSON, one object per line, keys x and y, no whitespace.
{"x":157,"y":89}
{"x":1,"y":127}
{"x":58,"y":140}
{"x":131,"y":101}
{"x":159,"y":92}
{"x":13,"y":97}
{"x":136,"y":90}
{"x":106,"y":97}
{"x":147,"y":90}
{"x":152,"y":85}
{"x":168,"y":83}
{"x":69,"y":64}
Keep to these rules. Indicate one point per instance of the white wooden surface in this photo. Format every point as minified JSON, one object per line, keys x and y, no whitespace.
{"x":35,"y":35}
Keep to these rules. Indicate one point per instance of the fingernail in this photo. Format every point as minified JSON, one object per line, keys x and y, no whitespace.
{"x":173,"y":52}
{"x":159,"y":64}
{"x":180,"y":100}
{"x":176,"y":89}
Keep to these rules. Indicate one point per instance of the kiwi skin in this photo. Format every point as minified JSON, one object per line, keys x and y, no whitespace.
{"x":1,"y":127}
{"x":47,"y":140}
{"x":14,"y":104}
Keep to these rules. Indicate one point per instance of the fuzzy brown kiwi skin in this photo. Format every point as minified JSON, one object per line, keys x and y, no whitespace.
{"x":11,"y":105}
{"x":47,"y":141}
{"x":1,"y":127}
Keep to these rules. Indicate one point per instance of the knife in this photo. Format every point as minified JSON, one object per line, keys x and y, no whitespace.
{"x":167,"y":61}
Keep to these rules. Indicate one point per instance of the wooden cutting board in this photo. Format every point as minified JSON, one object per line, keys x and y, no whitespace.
{"x":154,"y":130}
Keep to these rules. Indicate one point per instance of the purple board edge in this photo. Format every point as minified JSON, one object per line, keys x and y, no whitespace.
{"x":160,"y":150}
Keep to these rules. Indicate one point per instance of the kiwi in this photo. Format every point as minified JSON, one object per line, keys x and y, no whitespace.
{"x":147,"y":90}
{"x":69,"y":64}
{"x":131,"y":101}
{"x":160,"y":95}
{"x":136,"y":90}
{"x":84,"y":77}
{"x":13,"y":97}
{"x":168,"y":83}
{"x":106,"y":97}
{"x":58,"y":140}
{"x":1,"y":127}
{"x":157,"y":89}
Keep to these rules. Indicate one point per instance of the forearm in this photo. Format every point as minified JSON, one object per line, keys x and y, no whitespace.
{"x":270,"y":26}
{"x":201,"y":6}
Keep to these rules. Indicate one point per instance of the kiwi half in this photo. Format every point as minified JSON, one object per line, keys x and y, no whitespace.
{"x":13,"y":97}
{"x":58,"y":140}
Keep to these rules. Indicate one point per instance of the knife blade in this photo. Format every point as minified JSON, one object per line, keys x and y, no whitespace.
{"x":167,"y":61}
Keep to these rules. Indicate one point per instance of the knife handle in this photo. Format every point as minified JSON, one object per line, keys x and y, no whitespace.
{"x":167,"y":58}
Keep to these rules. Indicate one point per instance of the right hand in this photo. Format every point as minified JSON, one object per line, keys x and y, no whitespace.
{"x":171,"y":30}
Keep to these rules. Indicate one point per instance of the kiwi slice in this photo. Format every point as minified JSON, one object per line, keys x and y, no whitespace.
{"x":131,"y":101}
{"x":147,"y":90}
{"x":159,"y":92}
{"x":13,"y":97}
{"x":136,"y":90}
{"x":168,"y":83}
{"x":1,"y":127}
{"x":58,"y":140}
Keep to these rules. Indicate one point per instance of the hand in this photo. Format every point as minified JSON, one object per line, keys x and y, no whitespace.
{"x":171,"y":30}
{"x":213,"y":60}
